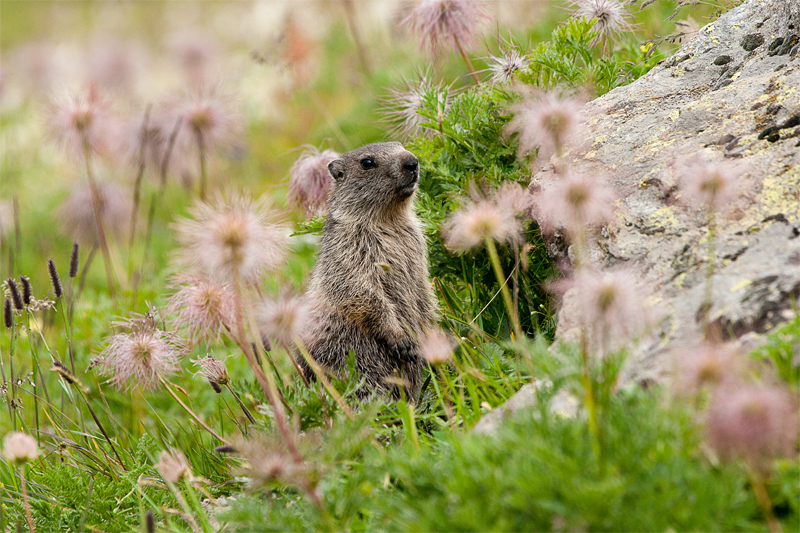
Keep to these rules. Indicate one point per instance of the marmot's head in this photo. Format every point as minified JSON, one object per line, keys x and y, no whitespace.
{"x":373,"y":178}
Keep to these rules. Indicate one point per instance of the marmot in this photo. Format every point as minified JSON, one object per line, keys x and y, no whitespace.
{"x":369,"y":290}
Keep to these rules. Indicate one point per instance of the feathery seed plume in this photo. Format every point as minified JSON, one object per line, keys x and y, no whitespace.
{"x":27,"y":290}
{"x":547,"y":121}
{"x":232,"y":237}
{"x":707,"y":365}
{"x":436,"y":347}
{"x":141,"y":356}
{"x":172,"y":466}
{"x":408,"y":108}
{"x":284,"y":319}
{"x":711,"y":185}
{"x":208,"y":115}
{"x":610,"y":15}
{"x":204,"y":308}
{"x":83,"y":118}
{"x":310,"y":180}
{"x":441,"y":23}
{"x":16,"y":297}
{"x":55,"y":280}
{"x":74,"y":260}
{"x":506,"y":66}
{"x":469,"y":226}
{"x":213,"y":371}
{"x":77,"y":217}
{"x":755,"y":422}
{"x":19,"y":448}
{"x":611,"y":307}
{"x":574,"y":202}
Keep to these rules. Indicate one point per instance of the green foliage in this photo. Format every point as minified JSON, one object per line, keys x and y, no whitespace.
{"x":781,"y":350}
{"x":569,"y":60}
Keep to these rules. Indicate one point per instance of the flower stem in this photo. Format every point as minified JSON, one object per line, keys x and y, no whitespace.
{"x":137,"y":187}
{"x":764,"y":501}
{"x":591,"y":405}
{"x":712,"y":238}
{"x":98,"y":214}
{"x":242,"y":405}
{"x":25,"y":501}
{"x":191,"y":413}
{"x":201,"y":149}
{"x":466,"y":59}
{"x":498,"y":271}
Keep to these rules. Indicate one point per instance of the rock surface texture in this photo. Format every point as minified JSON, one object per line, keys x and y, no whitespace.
{"x":729,"y":95}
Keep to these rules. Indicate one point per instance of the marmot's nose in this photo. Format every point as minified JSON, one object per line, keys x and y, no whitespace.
{"x":411,"y":164}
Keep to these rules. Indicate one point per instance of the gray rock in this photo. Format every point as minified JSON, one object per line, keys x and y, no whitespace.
{"x":713,"y":98}
{"x":641,"y":134}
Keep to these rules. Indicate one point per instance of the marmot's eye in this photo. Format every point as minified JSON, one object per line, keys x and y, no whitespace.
{"x":367,"y":163}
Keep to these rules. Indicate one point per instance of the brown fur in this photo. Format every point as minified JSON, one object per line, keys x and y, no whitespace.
{"x":369,"y":289}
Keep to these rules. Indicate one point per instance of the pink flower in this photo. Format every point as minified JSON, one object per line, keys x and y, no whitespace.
{"x":755,"y":422}
{"x":203,"y":308}
{"x":548,"y":122}
{"x":208,"y":116}
{"x":574,"y":202}
{"x":19,"y":448}
{"x":142,"y":356}
{"x":709,"y":185}
{"x":439,"y":23}
{"x":232,"y":237}
{"x":310,"y":180}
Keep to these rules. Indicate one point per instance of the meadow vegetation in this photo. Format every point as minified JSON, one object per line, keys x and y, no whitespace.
{"x":161,"y":199}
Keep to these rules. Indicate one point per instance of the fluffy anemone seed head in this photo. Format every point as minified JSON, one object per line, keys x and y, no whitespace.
{"x":77,"y":217}
{"x":213,"y":370}
{"x":19,"y":448}
{"x":512,"y":197}
{"x":707,"y":366}
{"x":267,"y":462}
{"x":209,"y":116}
{"x":202,"y":307}
{"x":755,"y":422}
{"x":232,"y":237}
{"x":310,"y":180}
{"x":444,"y":23}
{"x":610,"y":308}
{"x":610,"y":15}
{"x":406,"y":108}
{"x":547,"y":121}
{"x":141,"y":356}
{"x":471,"y":225}
{"x":505,"y":67}
{"x":173,"y":466}
{"x":709,"y":185}
{"x":574,"y":202}
{"x":284,"y":319}
{"x":436,"y":347}
{"x":82,"y":121}
{"x":197,"y":53}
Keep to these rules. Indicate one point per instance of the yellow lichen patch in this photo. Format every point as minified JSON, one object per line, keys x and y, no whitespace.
{"x":674,"y":115}
{"x":590,"y":155}
{"x":736,"y":75}
{"x":779,"y":194}
{"x":600,"y":139}
{"x":679,"y":280}
{"x":741,"y":285}
{"x":664,"y":217}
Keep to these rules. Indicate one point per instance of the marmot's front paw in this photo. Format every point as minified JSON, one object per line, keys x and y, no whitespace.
{"x":402,"y":349}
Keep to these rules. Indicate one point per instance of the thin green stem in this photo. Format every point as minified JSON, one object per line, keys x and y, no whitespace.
{"x":464,"y":55}
{"x":198,"y":508}
{"x":498,"y":271}
{"x":98,"y":214}
{"x":591,"y":405}
{"x":201,"y":149}
{"x":25,"y":501}
{"x":205,"y":426}
{"x":241,"y":404}
{"x":712,"y":238}
{"x":323,"y":378}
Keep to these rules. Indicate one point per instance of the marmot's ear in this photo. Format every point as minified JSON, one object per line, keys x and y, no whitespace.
{"x":336,"y":168}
